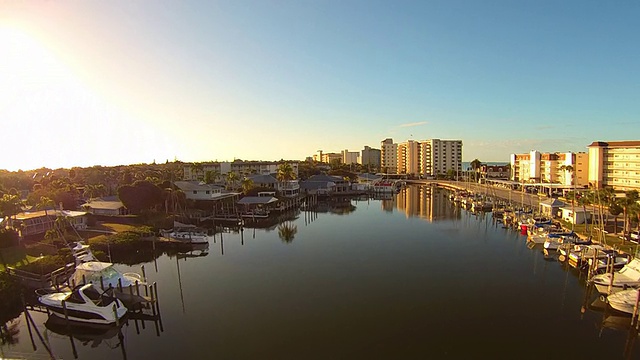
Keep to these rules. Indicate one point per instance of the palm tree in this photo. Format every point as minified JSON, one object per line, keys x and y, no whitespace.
{"x":211,"y":176}
{"x":232,"y":178}
{"x":628,"y":203}
{"x":196,"y":169}
{"x":247,"y":185}
{"x":285,"y":172}
{"x":475,"y":165}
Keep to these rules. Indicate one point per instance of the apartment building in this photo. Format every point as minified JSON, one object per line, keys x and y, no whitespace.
{"x":425,"y":157}
{"x":389,"y":156}
{"x":409,"y":158}
{"x":615,"y":164}
{"x":566,"y":168}
{"x":193,"y":172}
{"x":440,"y":156}
{"x":370,"y":157}
{"x":350,"y":157}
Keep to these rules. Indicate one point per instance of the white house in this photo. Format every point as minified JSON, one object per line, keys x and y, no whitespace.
{"x":105,"y":206}
{"x":195,"y":190}
{"x":577,"y":215}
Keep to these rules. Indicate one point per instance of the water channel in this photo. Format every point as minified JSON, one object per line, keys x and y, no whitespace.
{"x":411,"y":276}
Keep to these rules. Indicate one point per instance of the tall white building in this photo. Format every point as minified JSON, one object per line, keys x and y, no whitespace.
{"x":425,"y":157}
{"x":350,"y":157}
{"x":615,"y":164}
{"x":389,"y":156}
{"x":370,"y":158}
{"x":409,"y":158}
{"x":440,"y":156}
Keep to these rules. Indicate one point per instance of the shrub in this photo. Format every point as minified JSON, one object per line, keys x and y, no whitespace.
{"x":10,"y":302}
{"x":8,"y":238}
{"x":44,"y":265}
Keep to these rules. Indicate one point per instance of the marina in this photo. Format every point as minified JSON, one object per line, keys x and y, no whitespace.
{"x":408,"y":275}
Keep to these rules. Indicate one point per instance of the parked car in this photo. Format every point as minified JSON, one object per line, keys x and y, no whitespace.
{"x":635,"y":236}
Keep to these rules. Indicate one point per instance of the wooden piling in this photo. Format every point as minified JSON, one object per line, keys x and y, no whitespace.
{"x":634,"y":320}
{"x":64,"y":309}
{"x":101,"y":283}
{"x":115,"y":314}
{"x":610,"y":288}
{"x":120,"y":284}
{"x":153,"y":299}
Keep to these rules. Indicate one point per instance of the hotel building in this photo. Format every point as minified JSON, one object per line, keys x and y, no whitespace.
{"x":615,"y":164}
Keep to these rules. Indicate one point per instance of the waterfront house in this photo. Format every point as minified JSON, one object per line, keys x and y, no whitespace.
{"x":195,"y":190}
{"x":30,"y":223}
{"x":108,"y":206}
{"x":325,"y":185}
{"x":258,"y":206}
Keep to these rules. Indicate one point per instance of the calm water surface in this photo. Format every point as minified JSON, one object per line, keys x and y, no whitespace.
{"x":409,"y":277}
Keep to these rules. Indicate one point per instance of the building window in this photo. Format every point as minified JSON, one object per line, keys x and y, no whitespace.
{"x":195,"y":192}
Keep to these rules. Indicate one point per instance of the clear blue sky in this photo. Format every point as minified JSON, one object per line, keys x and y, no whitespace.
{"x":119,"y":82}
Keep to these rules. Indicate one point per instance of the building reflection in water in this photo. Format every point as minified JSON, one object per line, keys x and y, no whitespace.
{"x":424,"y":201}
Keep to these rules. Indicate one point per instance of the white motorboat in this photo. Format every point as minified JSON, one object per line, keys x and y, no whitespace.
{"x":627,"y":277}
{"x":102,"y":274}
{"x":85,"y":303}
{"x":623,"y":301}
{"x":189,"y":234}
{"x":186,"y":236}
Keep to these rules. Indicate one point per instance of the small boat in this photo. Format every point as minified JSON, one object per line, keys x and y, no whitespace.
{"x":578,"y":255}
{"x":627,"y":277}
{"x":189,"y":237}
{"x":612,"y":258}
{"x":102,"y":275}
{"x":85,"y":303}
{"x":189,"y":234}
{"x":623,"y":301}
{"x":555,"y":241}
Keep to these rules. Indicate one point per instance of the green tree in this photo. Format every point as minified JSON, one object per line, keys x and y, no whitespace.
{"x":232,"y":178}
{"x":285,"y":172}
{"x":142,"y":195}
{"x":196,"y":170}
{"x":628,"y":203}
{"x":247,"y":185}
{"x":211,"y":176}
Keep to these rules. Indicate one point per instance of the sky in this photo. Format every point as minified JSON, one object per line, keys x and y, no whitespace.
{"x":86,"y":83}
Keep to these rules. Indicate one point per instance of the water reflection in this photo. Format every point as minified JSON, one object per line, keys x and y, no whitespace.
{"x":9,"y":332}
{"x":287,"y":231}
{"x":426,"y":202}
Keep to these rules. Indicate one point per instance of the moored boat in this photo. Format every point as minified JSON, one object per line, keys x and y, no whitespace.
{"x":85,"y":304}
{"x":627,"y":277}
{"x":623,"y":301}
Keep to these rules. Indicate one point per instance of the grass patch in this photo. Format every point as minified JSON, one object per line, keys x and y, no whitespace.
{"x":14,"y":257}
{"x":610,"y":239}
